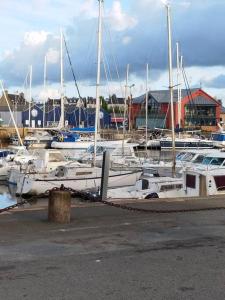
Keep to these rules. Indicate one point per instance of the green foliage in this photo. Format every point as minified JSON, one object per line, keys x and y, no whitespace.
{"x":104,"y":104}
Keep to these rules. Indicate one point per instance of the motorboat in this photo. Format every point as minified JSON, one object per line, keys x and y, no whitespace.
{"x":148,"y":186}
{"x":184,"y":143}
{"x":14,"y":161}
{"x":39,"y":139}
{"x":204,"y":179}
{"x":81,"y":142}
{"x":218,"y":137}
{"x":120,"y":156}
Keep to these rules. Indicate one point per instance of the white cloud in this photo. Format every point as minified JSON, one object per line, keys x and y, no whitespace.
{"x":185,"y":4}
{"x":88,"y":9}
{"x":126,"y":40}
{"x":119,"y":20}
{"x":35,"y":38}
{"x":8,"y":54}
{"x":150,"y":3}
{"x":52,"y":56}
{"x":49,"y":93}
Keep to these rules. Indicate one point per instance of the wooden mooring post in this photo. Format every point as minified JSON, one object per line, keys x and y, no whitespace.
{"x":105,"y":175}
{"x":59,"y":206}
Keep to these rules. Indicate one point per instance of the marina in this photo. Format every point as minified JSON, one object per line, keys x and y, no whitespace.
{"x":112,"y":150}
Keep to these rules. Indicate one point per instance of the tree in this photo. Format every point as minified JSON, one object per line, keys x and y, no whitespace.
{"x":104,"y":104}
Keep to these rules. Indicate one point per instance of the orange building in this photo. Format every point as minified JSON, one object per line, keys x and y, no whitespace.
{"x":198,"y":110}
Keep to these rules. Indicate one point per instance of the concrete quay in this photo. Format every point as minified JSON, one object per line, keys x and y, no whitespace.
{"x":110,"y":253}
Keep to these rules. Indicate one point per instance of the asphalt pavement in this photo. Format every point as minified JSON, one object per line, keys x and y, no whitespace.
{"x":109,"y":253}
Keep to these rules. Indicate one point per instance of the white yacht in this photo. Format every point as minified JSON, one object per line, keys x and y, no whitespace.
{"x":39,"y":161}
{"x":184,"y":143}
{"x":39,"y":139}
{"x":148,"y":186}
{"x":14,"y":161}
{"x":76,"y":176}
{"x":53,"y":170}
{"x":203,"y":177}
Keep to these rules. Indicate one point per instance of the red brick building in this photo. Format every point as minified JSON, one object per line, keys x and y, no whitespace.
{"x":198,"y":109}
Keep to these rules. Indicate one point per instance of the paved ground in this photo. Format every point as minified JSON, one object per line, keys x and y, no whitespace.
{"x":108,"y":253}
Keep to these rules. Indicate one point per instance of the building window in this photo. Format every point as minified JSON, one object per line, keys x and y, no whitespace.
{"x":200,"y":115}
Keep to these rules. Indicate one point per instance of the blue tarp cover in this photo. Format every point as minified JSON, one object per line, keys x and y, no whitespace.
{"x":86,"y":129}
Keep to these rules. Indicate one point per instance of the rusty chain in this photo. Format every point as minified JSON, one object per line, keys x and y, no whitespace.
{"x":156,"y":211}
{"x":96,"y":198}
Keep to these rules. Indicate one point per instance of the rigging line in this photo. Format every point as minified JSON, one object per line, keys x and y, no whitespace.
{"x":25,"y":80}
{"x":72,"y":70}
{"x":71,"y":66}
{"x":110,"y":75}
{"x":109,"y":87}
{"x":114,"y":58}
{"x":190,"y":97}
{"x":106,"y":74}
{"x":187,"y":85}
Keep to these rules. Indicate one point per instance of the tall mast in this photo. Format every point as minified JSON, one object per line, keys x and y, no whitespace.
{"x":178,"y":86}
{"x":125,"y":104}
{"x":62,"y":80}
{"x":30,"y":95}
{"x":181,"y":66}
{"x":146,"y":109}
{"x":171,"y":86}
{"x":45,"y":80}
{"x":97,"y":106}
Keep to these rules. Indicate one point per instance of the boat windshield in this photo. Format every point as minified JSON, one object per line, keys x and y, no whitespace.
{"x":215,"y":161}
{"x":188,"y":156}
{"x":99,"y":149}
{"x":180,"y":155}
{"x":199,"y":159}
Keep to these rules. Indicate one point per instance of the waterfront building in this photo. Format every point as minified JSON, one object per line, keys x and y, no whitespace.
{"x":198,"y":110}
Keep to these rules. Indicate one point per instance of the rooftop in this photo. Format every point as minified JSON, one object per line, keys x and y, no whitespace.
{"x":163,"y":96}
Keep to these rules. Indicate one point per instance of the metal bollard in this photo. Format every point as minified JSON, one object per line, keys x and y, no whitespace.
{"x":59,"y":206}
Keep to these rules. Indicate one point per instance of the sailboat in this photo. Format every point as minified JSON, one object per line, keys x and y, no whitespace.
{"x":75,"y":175}
{"x":89,"y":136}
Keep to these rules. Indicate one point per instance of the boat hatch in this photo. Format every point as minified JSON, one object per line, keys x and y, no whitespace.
{"x":190,"y":181}
{"x":220,"y":182}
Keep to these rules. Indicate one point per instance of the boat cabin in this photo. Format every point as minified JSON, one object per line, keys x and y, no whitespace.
{"x":206,"y":182}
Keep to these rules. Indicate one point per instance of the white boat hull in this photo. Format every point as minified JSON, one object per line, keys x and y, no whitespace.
{"x":71,"y":145}
{"x":27,"y":184}
{"x":84,"y":145}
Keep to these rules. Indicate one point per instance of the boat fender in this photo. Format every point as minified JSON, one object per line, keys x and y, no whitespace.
{"x":61,"y":138}
{"x":61,"y":171}
{"x":152,"y":195}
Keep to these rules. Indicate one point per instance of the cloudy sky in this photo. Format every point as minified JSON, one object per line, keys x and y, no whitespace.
{"x":134,"y":33}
